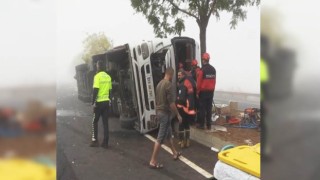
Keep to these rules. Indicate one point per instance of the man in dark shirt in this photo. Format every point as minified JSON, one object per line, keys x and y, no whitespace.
{"x":206,"y":83}
{"x":165,"y":109}
{"x":185,"y":105}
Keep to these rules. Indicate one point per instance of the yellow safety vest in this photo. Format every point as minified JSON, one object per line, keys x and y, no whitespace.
{"x":264,"y":74}
{"x":103,"y":82}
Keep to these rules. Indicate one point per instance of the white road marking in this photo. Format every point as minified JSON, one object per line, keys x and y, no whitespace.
{"x":183,"y":159}
{"x":215,"y":149}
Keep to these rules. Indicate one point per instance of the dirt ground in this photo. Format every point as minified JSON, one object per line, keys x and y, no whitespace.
{"x":30,"y":145}
{"x":237,"y":136}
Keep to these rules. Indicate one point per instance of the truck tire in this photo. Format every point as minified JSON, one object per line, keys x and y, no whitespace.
{"x":127,"y":122}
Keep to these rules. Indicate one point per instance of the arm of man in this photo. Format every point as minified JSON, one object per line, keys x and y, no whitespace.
{"x":95,"y":94}
{"x":95,"y":91}
{"x":110,"y":88}
{"x":175,"y":111}
{"x":172,"y":104}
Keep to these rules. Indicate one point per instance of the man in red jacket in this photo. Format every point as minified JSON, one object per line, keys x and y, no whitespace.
{"x":206,"y":82}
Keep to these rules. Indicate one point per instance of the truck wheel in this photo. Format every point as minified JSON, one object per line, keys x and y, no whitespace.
{"x":127,"y":122}
{"x":113,"y":106}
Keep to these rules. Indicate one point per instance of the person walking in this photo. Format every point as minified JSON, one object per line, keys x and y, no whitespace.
{"x":102,"y":86}
{"x":206,"y":82}
{"x":165,"y":110}
{"x":185,"y":103}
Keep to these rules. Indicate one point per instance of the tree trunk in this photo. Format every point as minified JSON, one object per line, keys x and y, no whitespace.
{"x":203,"y":39}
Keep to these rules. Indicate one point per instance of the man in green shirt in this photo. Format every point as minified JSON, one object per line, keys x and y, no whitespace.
{"x":102,"y":85}
{"x":165,"y":110}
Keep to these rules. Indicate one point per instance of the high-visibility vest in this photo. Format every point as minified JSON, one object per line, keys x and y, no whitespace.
{"x":103,"y":82}
{"x":264,"y":74}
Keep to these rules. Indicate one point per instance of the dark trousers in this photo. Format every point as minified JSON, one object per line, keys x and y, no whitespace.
{"x":196,"y":106}
{"x":205,"y":108}
{"x":185,"y":125}
{"x":101,"y":109}
{"x":263,"y":128}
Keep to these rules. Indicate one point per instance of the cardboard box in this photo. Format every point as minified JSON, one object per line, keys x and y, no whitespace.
{"x":233,"y":105}
{"x":222,"y":109}
{"x":234,"y":109}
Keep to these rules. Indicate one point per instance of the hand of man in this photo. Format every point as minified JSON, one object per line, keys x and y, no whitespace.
{"x":179,"y":118}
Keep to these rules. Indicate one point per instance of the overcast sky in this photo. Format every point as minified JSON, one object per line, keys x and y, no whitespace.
{"x":27,"y":42}
{"x":50,"y":33}
{"x":302,"y":34}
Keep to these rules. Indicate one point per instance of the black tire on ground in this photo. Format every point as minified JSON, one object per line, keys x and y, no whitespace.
{"x":127,"y":122}
{"x":113,"y":106}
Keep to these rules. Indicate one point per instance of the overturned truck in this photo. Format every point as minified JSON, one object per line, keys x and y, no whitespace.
{"x":136,"y":69}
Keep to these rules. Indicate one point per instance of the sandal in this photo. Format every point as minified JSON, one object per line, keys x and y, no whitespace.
{"x":176,"y":157}
{"x":156,"y":166}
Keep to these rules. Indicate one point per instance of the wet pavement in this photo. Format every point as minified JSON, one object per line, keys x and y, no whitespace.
{"x":293,"y":135}
{"x":129,"y":152}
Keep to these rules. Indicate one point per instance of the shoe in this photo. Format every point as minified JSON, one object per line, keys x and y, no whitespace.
{"x":104,"y":145}
{"x":181,"y":144}
{"x":94,"y":144}
{"x":156,"y":166}
{"x":176,"y":157}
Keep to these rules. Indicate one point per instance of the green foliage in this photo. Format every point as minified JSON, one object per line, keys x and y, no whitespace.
{"x":95,"y":43}
{"x":236,"y":7}
{"x":166,"y":16}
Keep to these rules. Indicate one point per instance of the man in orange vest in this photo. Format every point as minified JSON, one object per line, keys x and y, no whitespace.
{"x":185,"y":105}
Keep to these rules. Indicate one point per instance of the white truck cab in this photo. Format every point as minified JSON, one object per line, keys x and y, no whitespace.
{"x":136,"y":69}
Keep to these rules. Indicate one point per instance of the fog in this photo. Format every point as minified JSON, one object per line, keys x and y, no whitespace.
{"x":41,"y":40}
{"x":300,"y":32}
{"x":28,"y":42}
{"x":234,"y":53}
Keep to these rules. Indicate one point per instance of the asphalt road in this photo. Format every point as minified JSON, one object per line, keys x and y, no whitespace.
{"x":129,"y":152}
{"x":293,"y":134}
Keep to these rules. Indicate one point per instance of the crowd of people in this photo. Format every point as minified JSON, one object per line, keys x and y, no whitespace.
{"x":195,"y":91}
{"x":193,"y":103}
{"x":195,"y":96}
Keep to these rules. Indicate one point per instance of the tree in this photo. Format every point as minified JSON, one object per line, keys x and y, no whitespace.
{"x":95,"y":43}
{"x":162,"y":13}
